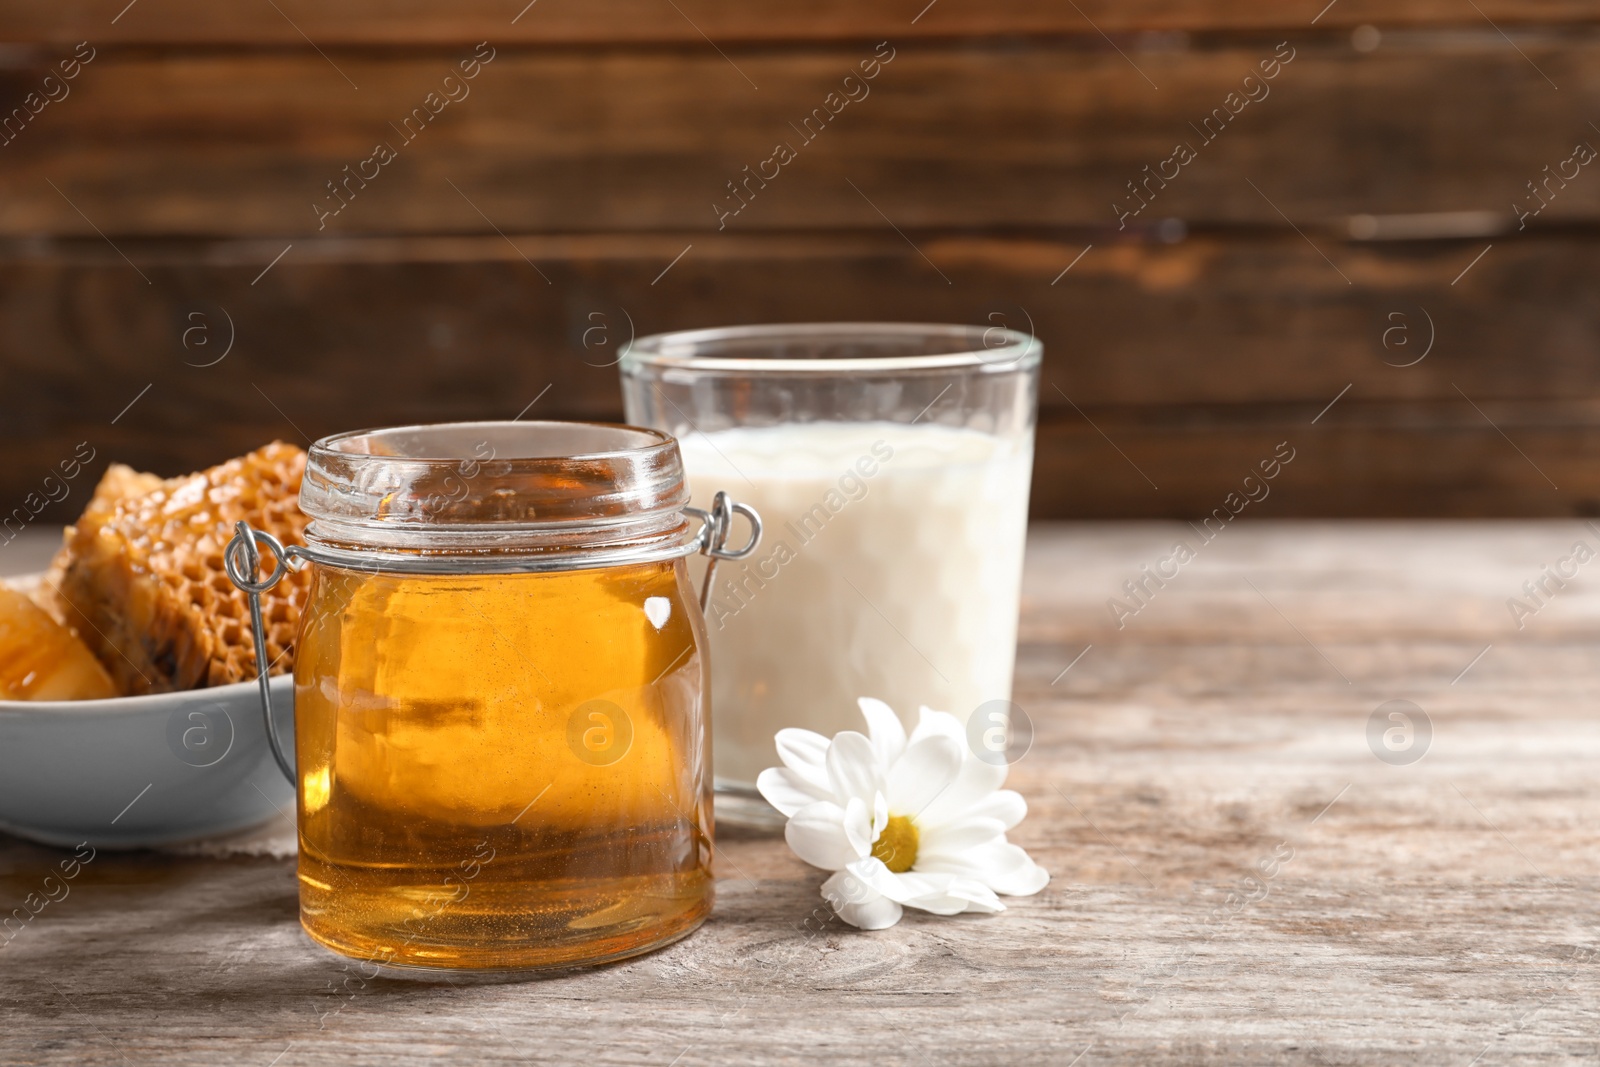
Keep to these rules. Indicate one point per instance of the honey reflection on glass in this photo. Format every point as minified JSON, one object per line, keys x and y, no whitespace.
{"x":502,"y":771}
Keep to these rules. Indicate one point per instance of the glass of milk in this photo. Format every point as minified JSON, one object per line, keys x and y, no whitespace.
{"x":890,"y":465}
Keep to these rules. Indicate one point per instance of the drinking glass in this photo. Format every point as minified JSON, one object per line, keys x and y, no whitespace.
{"x":890,"y":463}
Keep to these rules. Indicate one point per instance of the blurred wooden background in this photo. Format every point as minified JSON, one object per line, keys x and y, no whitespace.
{"x":162,"y":209}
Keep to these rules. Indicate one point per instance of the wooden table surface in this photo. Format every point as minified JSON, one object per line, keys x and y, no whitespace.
{"x":1440,"y":912}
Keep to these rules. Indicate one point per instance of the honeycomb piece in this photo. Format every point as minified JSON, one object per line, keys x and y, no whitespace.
{"x":42,"y":660}
{"x":141,"y":579}
{"x":119,"y":482}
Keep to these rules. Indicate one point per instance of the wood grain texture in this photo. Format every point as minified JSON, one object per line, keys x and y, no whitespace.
{"x":1428,"y":914}
{"x":414,"y":22}
{"x":1031,"y":135}
{"x":602,"y":135}
{"x":1193,"y":359}
{"x":1373,"y":460}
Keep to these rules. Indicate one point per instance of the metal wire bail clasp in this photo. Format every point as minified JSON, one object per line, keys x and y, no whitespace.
{"x":715,"y":526}
{"x":242,"y":562}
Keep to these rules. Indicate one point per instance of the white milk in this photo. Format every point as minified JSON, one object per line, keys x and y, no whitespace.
{"x":890,"y":566}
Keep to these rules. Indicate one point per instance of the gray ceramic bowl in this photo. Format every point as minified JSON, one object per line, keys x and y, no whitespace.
{"x":133,"y":772}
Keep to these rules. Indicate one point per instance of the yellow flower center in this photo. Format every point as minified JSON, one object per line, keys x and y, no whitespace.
{"x":897,"y":845}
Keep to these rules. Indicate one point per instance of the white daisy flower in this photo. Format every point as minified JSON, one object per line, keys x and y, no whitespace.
{"x":918,"y":822}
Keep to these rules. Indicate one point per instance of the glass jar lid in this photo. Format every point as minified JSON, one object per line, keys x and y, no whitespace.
{"x":495,"y":487}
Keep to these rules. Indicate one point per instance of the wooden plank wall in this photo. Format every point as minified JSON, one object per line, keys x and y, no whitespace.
{"x":171,"y":202}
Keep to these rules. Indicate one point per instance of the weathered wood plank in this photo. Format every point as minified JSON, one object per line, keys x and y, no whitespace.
{"x":413,"y":22}
{"x":1220,"y":321}
{"x":1437,"y":461}
{"x":1196,"y":359}
{"x":1433,"y":584}
{"x":1362,"y":460}
{"x":1429,"y":913}
{"x":1030,"y":135}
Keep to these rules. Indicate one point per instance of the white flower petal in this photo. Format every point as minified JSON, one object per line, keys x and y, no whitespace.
{"x":858,"y":829}
{"x":804,"y":753}
{"x":845,"y":888}
{"x":1012,"y":870}
{"x":1024,"y":883}
{"x":858,"y":905}
{"x":853,"y":768}
{"x":902,"y":888}
{"x":927,"y":892}
{"x":961,"y":864}
{"x":938,"y":723}
{"x":788,"y":791}
{"x":976,"y":783}
{"x":928,"y":768}
{"x":957,"y":837}
{"x":880,"y":815}
{"x":939,"y":904}
{"x":883,"y":726}
{"x":1006,"y":805}
{"x":977,"y":896}
{"x":952,"y":896}
{"x":817,"y":835}
{"x":1000,"y":865}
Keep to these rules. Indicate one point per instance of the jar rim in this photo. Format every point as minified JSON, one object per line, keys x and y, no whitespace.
{"x":494,"y":485}
{"x":835,"y":349}
{"x":337,"y":442}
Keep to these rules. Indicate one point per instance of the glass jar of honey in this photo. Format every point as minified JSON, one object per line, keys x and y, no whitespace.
{"x":501,"y":716}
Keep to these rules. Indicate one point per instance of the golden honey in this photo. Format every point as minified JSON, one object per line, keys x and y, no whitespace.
{"x":502,"y":771}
